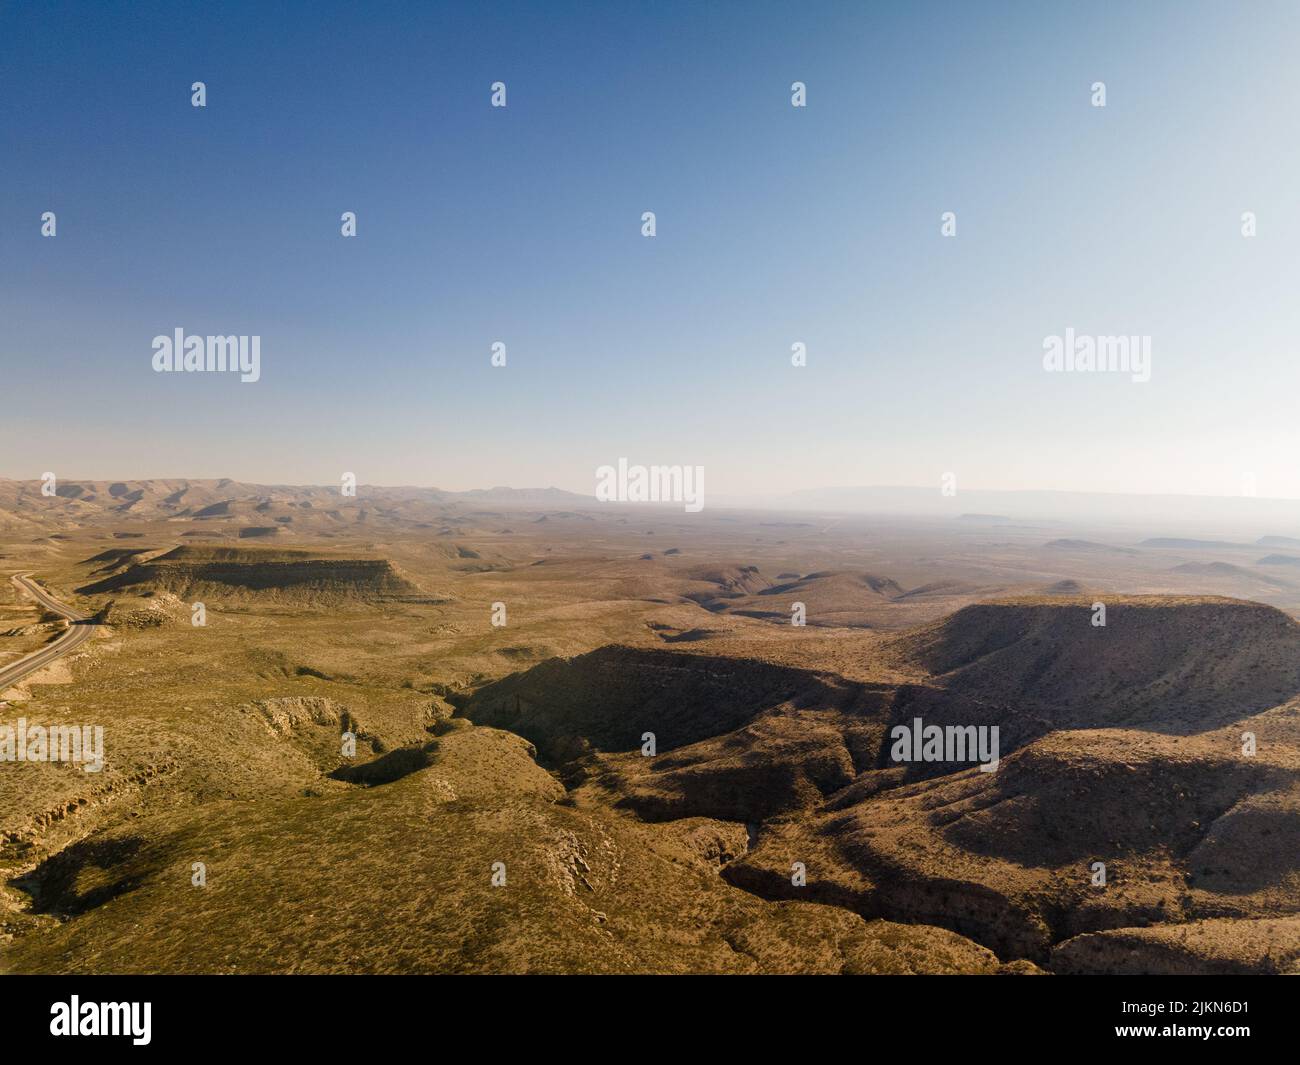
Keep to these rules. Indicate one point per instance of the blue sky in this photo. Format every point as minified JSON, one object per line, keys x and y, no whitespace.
{"x":775,"y":225}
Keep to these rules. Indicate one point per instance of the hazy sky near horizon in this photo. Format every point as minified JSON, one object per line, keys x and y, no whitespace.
{"x":775,"y":225}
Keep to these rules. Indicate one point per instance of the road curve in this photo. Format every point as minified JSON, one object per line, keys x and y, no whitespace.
{"x":76,"y":635}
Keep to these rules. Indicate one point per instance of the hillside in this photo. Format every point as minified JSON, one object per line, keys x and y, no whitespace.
{"x":1188,"y":661}
{"x":200,"y":572}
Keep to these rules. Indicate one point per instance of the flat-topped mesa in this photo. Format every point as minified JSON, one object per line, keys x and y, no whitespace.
{"x":1154,"y":656}
{"x":225,"y":572}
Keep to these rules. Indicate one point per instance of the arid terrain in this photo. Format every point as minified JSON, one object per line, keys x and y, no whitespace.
{"x":500,"y":658}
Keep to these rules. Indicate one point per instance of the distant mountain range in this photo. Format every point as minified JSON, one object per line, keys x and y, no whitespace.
{"x":1238,"y":514}
{"x":82,"y":501}
{"x":265,"y":508}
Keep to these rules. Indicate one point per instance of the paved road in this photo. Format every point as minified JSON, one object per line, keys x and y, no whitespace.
{"x":73,"y":638}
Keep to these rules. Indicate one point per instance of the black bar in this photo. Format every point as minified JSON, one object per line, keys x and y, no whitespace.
{"x":304,"y":1013}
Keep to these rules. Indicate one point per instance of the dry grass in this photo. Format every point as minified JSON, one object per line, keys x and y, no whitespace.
{"x":520,"y":745}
